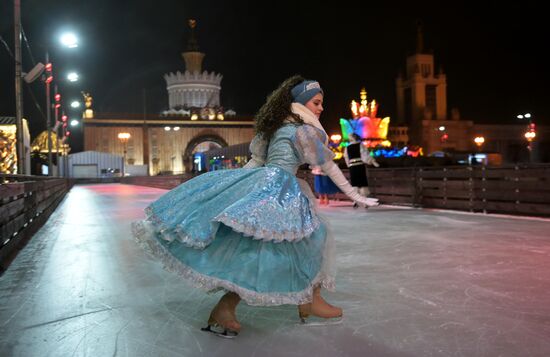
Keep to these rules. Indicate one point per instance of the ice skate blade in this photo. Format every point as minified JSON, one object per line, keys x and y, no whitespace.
{"x":320,"y":321}
{"x":220,"y":331}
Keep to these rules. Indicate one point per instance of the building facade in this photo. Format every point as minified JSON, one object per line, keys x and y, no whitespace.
{"x":164,"y":145}
{"x":172,"y":142}
{"x":423,"y":118}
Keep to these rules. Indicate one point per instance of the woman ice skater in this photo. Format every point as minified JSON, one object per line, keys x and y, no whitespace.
{"x":323,"y":185}
{"x":254,"y":232}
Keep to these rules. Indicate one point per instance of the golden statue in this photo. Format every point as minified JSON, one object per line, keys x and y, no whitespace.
{"x":40,"y":143}
{"x":87,"y":99}
{"x":88,"y":113}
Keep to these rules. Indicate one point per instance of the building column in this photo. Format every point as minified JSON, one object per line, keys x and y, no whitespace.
{"x":441,"y":98}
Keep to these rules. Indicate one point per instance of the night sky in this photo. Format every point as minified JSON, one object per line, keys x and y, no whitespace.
{"x":493,"y":54}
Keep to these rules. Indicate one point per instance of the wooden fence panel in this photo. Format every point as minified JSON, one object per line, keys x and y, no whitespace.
{"x":520,"y":189}
{"x":26,"y":202}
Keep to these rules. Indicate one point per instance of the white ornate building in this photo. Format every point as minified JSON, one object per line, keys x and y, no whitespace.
{"x":194,"y":88}
{"x":175,"y":140}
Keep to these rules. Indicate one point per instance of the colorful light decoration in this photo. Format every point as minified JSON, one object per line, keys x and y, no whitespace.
{"x":371,"y":129}
{"x":414,"y":151}
{"x":365,"y":123}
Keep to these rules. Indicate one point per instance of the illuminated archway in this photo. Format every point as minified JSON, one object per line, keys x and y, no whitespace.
{"x":200,"y":144}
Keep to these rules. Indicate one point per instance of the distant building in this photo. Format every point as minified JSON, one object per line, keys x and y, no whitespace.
{"x":173,"y":141}
{"x":92,"y":164}
{"x":194,"y":88}
{"x":423,"y":118}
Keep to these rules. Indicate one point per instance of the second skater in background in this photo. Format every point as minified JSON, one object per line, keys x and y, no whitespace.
{"x":323,"y":185}
{"x":357,"y":156}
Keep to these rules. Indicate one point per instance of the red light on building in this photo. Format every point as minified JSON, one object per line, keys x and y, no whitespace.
{"x":444,"y":137}
{"x":67,"y":133}
{"x":64,"y":118}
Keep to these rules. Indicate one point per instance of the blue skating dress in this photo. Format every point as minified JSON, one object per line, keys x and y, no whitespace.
{"x":253,"y":231}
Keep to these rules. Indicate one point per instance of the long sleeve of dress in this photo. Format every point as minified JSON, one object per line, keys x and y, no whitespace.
{"x":310,"y":144}
{"x":258,"y":148}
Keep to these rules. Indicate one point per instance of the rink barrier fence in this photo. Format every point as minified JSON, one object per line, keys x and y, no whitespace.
{"x":515,"y":189}
{"x":26,"y":203}
{"x":167,"y":182}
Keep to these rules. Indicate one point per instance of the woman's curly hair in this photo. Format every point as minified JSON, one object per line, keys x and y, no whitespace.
{"x":276,"y":109}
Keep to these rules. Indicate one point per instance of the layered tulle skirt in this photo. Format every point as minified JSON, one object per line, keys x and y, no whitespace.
{"x":251,"y":231}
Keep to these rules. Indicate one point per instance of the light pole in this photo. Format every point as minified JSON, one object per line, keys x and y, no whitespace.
{"x":57,"y":107}
{"x":65,"y":153}
{"x":20,"y":149}
{"x":68,"y":40}
{"x":530,"y":134}
{"x":123,"y":137}
{"x":48,"y":80}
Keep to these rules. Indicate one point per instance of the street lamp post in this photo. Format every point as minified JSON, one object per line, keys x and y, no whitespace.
{"x":124,"y":137}
{"x":48,"y":80}
{"x":65,"y":153}
{"x":20,"y":148}
{"x":530,"y":134}
{"x":478,"y":140}
{"x":68,"y":40}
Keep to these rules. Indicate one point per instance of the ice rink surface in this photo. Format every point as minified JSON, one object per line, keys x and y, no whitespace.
{"x":412,"y":282}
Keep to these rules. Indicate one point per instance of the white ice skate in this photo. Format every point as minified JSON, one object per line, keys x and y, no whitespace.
{"x":319,"y":312}
{"x":319,"y":321}
{"x":222,"y":321}
{"x":220,"y":331}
